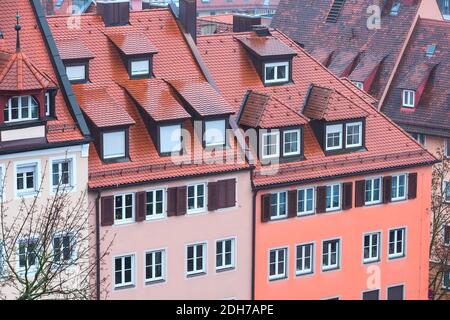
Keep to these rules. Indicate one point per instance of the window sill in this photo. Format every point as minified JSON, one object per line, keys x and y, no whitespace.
{"x":161,"y":217}
{"x":123,"y":223}
{"x":278,"y":218}
{"x":194,"y":212}
{"x":330,"y":269}
{"x":371,"y":261}
{"x":370,"y":204}
{"x":225,"y":269}
{"x":302,"y":274}
{"x":151,"y":282}
{"x":27,"y":194}
{"x":124,"y":287}
{"x":278,"y":278}
{"x":396,"y":257}
{"x":194,"y":275}
{"x":306,"y":214}
{"x":399,"y":199}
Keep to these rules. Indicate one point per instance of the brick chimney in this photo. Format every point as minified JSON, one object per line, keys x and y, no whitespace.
{"x":188,"y":17}
{"x":244,"y":23}
{"x":114,"y":12}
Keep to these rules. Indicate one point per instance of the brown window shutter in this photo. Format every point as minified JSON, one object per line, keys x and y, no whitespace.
{"x":412,"y":185}
{"x":387,"y":189}
{"x":292,"y":203}
{"x":265,"y":208}
{"x":212,"y":196}
{"x":140,"y":206}
{"x":171,"y":202}
{"x":321,"y":199}
{"x":107,"y":216}
{"x":230,"y":198}
{"x":221,"y":194}
{"x":360,"y":189}
{"x":347,"y":195}
{"x":181,"y":201}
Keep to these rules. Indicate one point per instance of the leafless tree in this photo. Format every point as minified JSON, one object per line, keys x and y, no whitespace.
{"x":48,"y":247}
{"x":439,"y":246}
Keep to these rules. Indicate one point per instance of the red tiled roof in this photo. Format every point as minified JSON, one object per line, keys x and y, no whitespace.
{"x":265,"y":46}
{"x":387,"y":145}
{"x":132,"y":43}
{"x":342,"y":61}
{"x":416,"y":76}
{"x":367,"y":64}
{"x":236,"y":4}
{"x":74,"y":49}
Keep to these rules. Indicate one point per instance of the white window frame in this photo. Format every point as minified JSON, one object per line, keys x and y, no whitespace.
{"x":277,"y":145}
{"x":276,"y":65}
{"x":306,"y":212}
{"x":20,"y":108}
{"x":125,"y":220}
{"x":208,"y":134}
{"x":360,"y":135}
{"x":332,"y":189}
{"x":408,"y":98}
{"x":104,"y":145}
{"x":176,"y":146}
{"x":224,"y":266}
{"x":133,"y":270}
{"x":196,"y":209}
{"x":311,"y":257}
{"x":372,"y":191}
{"x":72,"y":247}
{"x":37,"y":173}
{"x":47,"y":103}
{"x":329,"y":266}
{"x":278,"y":275}
{"x":72,"y":169}
{"x":298,"y":132}
{"x":31,"y":268}
{"x":396,"y":254}
{"x":397,"y":197}
{"x":332,"y":129}
{"x":371,"y":259}
{"x":153,"y":252}
{"x":77,"y":68}
{"x":196,"y":270}
{"x":140,"y":71}
{"x":279,"y":215}
{"x":154,"y":215}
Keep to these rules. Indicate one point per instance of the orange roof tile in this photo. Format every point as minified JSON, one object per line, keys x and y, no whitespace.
{"x":131,"y":43}
{"x":74,"y":49}
{"x":265,"y":46}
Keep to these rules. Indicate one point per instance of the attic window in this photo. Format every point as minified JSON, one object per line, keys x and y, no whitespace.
{"x":21,"y":109}
{"x":430,"y":50}
{"x":276,"y":72}
{"x":170,"y":139}
{"x":408,"y":98}
{"x":334,"y":137}
{"x":140,"y":68}
{"x":395,"y":9}
{"x":114,"y":144}
{"x":77,"y":73}
{"x":215,"y":133}
{"x":359,"y":85}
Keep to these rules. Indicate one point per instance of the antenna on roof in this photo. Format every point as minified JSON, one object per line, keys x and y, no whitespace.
{"x":18,"y":27}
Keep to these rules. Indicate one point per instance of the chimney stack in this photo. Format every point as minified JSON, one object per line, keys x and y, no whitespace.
{"x":188,"y":17}
{"x":114,"y":12}
{"x":244,"y":23}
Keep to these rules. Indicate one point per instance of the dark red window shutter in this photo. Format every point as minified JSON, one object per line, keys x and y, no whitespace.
{"x":181,"y":201}
{"x":107,"y":216}
{"x":360,"y":193}
{"x":212,"y":196}
{"x":321,"y":199}
{"x":221,"y":194}
{"x":140,"y":206}
{"x":412,"y":185}
{"x":387,"y":189}
{"x":171,"y":202}
{"x":292,"y":203}
{"x":347,"y":195}
{"x":230,"y":200}
{"x":265,"y":208}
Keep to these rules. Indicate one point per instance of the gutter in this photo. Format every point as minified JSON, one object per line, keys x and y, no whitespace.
{"x":253,"y":287}
{"x":97,"y":246}
{"x":45,"y":146}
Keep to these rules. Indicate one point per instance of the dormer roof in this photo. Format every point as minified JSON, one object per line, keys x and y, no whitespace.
{"x":342,"y":62}
{"x":265,"y":46}
{"x":417,"y":75}
{"x":74,"y":49}
{"x":130,"y":43}
{"x":366,"y":66}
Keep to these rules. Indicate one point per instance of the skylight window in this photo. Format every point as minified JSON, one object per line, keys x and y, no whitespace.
{"x":395,"y":9}
{"x":431,"y":48}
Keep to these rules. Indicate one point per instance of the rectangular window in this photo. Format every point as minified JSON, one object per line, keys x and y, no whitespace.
{"x":333,"y":198}
{"x":76,"y":73}
{"x":114,"y":145}
{"x":278,"y":205}
{"x":395,"y":293}
{"x":225,"y":254}
{"x":276,"y":72}
{"x":196,"y":259}
{"x":215,"y":133}
{"x":26,"y":178}
{"x":278,"y":264}
{"x":140,"y":67}
{"x":408,"y":98}
{"x":397,"y":241}
{"x":398,"y":187}
{"x":62,"y":173}
{"x":28,"y":254}
{"x":124,"y":271}
{"x":353,"y":134}
{"x":305,"y":201}
{"x":291,"y":142}
{"x":21,"y":109}
{"x":419,"y":137}
{"x":124,"y":208}
{"x":330,"y":254}
{"x":371,"y":295}
{"x":373,"y":191}
{"x":170,"y":138}
{"x":155,"y":204}
{"x":196,"y":198}
{"x":304,"y":259}
{"x":371,"y":247}
{"x":63,"y":248}
{"x":270,"y":145}
{"x":333,"y":137}
{"x":155,"y":265}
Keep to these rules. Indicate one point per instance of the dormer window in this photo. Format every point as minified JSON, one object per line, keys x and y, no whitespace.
{"x":215,"y":133}
{"x":170,"y":139}
{"x":291,"y":142}
{"x":114,"y":145}
{"x":140,"y":68}
{"x":77,"y":73}
{"x":408,"y":98}
{"x":276,"y":72}
{"x":353,"y":132}
{"x":270,"y":145}
{"x":21,"y":109}
{"x":334,"y":137}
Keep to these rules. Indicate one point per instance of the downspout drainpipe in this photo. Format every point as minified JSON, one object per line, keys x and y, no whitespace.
{"x":97,"y":245}
{"x":255,"y":192}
